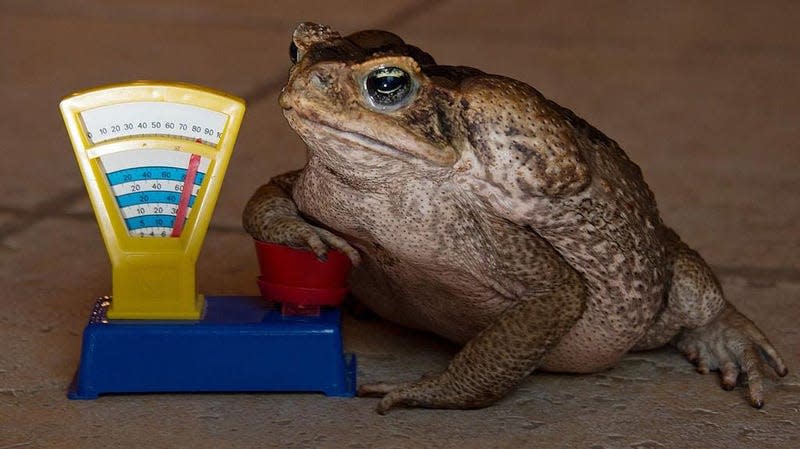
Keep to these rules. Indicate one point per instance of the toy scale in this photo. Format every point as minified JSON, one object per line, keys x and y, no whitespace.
{"x":153,"y":156}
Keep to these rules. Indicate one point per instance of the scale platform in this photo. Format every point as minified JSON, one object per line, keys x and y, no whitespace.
{"x":239,"y":344}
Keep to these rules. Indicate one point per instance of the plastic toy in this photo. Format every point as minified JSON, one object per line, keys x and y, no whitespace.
{"x":153,"y":156}
{"x":298,"y":280}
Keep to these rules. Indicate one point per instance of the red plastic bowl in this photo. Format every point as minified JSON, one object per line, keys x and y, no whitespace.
{"x":296,"y":276}
{"x":288,"y":294}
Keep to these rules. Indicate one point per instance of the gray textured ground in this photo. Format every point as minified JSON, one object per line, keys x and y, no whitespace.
{"x":703,"y":95}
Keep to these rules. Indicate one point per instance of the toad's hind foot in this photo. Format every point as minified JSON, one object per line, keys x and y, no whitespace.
{"x":734,"y":346}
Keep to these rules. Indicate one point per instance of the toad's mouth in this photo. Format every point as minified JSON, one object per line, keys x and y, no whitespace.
{"x":309,"y":125}
{"x":398,"y":145}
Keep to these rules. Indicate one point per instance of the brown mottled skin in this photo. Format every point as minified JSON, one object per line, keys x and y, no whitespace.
{"x":481,"y":211}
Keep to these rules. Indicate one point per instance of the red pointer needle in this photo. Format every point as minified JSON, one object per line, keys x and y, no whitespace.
{"x":186,"y":194}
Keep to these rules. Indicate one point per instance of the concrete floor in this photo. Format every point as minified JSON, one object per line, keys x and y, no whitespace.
{"x":703,"y":95}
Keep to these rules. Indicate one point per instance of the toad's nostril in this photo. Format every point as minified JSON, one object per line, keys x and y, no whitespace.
{"x":283,"y":100}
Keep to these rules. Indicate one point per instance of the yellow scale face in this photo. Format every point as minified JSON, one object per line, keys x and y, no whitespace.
{"x":153,"y":156}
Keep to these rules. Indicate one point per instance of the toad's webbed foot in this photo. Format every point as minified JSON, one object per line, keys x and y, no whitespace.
{"x":734,"y":346}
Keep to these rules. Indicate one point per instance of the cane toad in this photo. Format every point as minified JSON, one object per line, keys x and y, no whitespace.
{"x":479,"y":210}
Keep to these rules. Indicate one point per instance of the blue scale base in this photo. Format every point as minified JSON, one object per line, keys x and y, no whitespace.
{"x":241,"y":344}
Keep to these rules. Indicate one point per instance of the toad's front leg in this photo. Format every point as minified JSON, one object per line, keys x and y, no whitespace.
{"x":272,"y":216}
{"x":499,"y":357}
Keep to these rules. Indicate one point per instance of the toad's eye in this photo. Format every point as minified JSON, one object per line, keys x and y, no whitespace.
{"x":293,"y":52}
{"x":389,"y":88}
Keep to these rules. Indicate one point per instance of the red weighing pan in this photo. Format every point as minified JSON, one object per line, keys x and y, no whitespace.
{"x":295,"y":276}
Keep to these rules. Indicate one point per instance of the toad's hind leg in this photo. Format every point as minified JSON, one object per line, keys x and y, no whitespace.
{"x":708,"y":330}
{"x":495,"y":360}
{"x":694,"y":298}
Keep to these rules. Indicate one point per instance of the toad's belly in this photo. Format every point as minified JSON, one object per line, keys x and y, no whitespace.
{"x":593,"y":345}
{"x":456,"y":309}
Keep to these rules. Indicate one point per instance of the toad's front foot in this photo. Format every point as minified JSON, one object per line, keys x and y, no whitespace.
{"x":734,"y":346}
{"x":431,"y":391}
{"x":271,"y":216}
{"x":294,"y":231}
